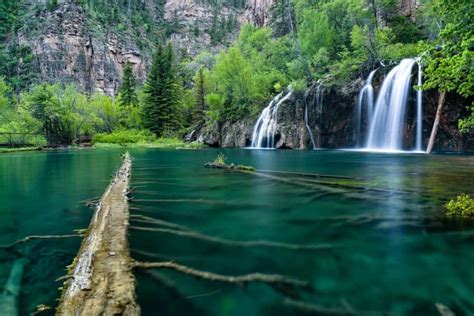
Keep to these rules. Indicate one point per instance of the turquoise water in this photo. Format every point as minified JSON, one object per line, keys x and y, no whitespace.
{"x":390,"y":252}
{"x":41,"y":194}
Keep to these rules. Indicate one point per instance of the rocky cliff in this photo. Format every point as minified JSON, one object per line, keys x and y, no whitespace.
{"x":329,"y":117}
{"x":70,"y":43}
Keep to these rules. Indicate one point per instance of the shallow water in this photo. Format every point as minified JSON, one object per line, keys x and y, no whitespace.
{"x":389,"y":250}
{"x":41,"y":194}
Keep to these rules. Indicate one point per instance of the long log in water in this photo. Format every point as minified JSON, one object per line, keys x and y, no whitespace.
{"x":101,"y":281}
{"x":11,"y":291}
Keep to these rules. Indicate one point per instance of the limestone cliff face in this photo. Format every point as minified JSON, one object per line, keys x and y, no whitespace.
{"x":258,"y":12}
{"x":67,"y":49}
{"x":64,"y":51}
{"x":194,"y":20}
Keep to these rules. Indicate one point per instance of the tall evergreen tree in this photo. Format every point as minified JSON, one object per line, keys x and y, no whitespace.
{"x":162,"y":94}
{"x":199,"y":97}
{"x":127,"y":91}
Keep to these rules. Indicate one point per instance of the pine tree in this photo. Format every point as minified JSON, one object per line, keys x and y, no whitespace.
{"x":162,"y":94}
{"x":199,"y":97}
{"x":127,"y":93}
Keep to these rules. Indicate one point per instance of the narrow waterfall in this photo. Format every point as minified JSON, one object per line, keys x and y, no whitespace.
{"x":419,"y":109}
{"x":366,"y":94}
{"x":387,"y":124}
{"x":319,"y":111}
{"x":306,"y":119}
{"x":263,"y":135}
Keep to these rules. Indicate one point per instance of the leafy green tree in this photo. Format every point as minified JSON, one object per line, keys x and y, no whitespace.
{"x":162,"y":94}
{"x":449,"y":60}
{"x":200,"y":104}
{"x":127,"y":91}
{"x":59,"y":110}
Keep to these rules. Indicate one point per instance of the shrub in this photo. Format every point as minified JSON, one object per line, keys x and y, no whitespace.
{"x":220,"y":160}
{"x":125,"y":137}
{"x":461,"y":206}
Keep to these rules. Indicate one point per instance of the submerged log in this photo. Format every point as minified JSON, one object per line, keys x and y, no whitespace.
{"x":11,"y":291}
{"x":101,"y":281}
{"x":272,"y":279}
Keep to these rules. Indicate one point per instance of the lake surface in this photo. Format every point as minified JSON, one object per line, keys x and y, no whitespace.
{"x":384,"y":246}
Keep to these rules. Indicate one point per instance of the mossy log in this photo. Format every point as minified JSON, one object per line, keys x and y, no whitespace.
{"x":100,"y":279}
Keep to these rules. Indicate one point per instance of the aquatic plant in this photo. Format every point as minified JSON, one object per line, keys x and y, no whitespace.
{"x":220,"y":159}
{"x":461,"y":206}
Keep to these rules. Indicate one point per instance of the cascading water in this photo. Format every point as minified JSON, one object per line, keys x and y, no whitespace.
{"x":366,"y":94}
{"x":306,"y":119}
{"x":419,"y":109}
{"x":387,"y":123}
{"x":319,"y":111}
{"x":263,"y":135}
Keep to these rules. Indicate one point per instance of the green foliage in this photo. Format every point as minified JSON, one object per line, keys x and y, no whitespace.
{"x":131,"y":136}
{"x":245,"y":76}
{"x":450,"y":58}
{"x":200,"y":104}
{"x":161,"y":108}
{"x":467,"y":124}
{"x":220,"y":159}
{"x":127,"y":93}
{"x":461,"y":206}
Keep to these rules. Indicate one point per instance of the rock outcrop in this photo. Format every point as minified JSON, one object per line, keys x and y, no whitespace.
{"x":331,"y":129}
{"x":68,"y":48}
{"x":65,"y":51}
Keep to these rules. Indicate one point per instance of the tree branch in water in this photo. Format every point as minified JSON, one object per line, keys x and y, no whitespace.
{"x":272,"y":279}
{"x":235,"y":243}
{"x":28,"y":238}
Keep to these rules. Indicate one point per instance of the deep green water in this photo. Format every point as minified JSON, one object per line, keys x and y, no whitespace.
{"x":390,"y":252}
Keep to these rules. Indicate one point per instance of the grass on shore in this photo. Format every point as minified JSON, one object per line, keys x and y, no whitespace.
{"x":166,"y":143}
{"x":4,"y":150}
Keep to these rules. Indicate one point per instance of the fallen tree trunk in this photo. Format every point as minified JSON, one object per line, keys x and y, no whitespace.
{"x":434,"y":131}
{"x":101,"y":281}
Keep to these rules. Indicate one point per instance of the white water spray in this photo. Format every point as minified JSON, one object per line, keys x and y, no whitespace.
{"x":419,"y":109}
{"x":387,"y":124}
{"x":310,"y":132}
{"x":366,"y":94}
{"x":263,"y":135}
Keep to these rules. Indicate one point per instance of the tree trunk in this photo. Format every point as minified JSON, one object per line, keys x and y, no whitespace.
{"x":434,"y":131}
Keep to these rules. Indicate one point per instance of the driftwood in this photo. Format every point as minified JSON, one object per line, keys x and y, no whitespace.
{"x":235,"y":243}
{"x":151,"y":220}
{"x":101,"y":281}
{"x":313,"y":309}
{"x":272,"y":279}
{"x":33,"y":237}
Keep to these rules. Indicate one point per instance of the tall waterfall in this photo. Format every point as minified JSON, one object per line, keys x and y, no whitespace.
{"x":419,"y":109}
{"x":366,"y":97}
{"x":263,"y":135}
{"x":387,"y":124}
{"x":310,"y":132}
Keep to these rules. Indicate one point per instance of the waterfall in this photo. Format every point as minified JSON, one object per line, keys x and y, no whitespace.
{"x":386,"y":127}
{"x":365,"y":94}
{"x":263,"y":135}
{"x":306,"y":119}
{"x":419,"y":109}
{"x":319,"y":111}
